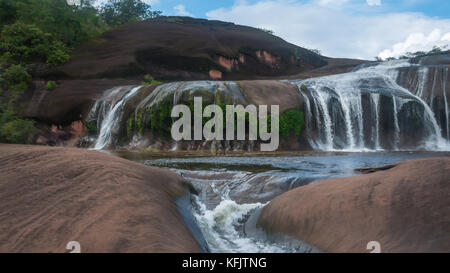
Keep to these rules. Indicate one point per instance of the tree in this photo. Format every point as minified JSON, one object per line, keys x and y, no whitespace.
{"x":118,"y":12}
{"x":315,"y":50}
{"x":8,"y":12}
{"x":22,"y":43}
{"x":70,"y":24}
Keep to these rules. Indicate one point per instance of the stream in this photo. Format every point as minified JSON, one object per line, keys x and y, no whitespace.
{"x":233,"y":189}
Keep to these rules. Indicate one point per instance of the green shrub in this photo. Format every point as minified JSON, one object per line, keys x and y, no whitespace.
{"x":22,"y":43}
{"x":6,"y":115}
{"x":16,"y":74}
{"x":22,"y":86}
{"x":150,"y":80}
{"x":130,"y":126}
{"x":58,"y":54}
{"x":17,"y":131}
{"x":50,"y":85}
{"x":92,"y":128}
{"x":116,"y":13}
{"x":291,"y":121}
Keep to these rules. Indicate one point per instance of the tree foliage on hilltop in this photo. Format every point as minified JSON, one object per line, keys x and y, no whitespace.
{"x":22,"y":43}
{"x":118,"y":12}
{"x":42,"y":32}
{"x":71,"y":25}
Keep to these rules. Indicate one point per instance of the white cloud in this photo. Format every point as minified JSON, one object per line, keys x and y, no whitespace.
{"x":181,"y":10}
{"x":373,"y":2}
{"x":337,"y":32}
{"x":417,"y":42}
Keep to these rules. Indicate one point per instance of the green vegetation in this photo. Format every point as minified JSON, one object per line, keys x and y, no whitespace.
{"x":115,"y":13}
{"x":41,"y":33}
{"x":150,"y":80}
{"x":15,"y":77}
{"x":50,"y":85}
{"x":157,"y":119}
{"x":291,"y":121}
{"x":130,"y":126}
{"x":92,"y":128}
{"x":22,"y":43}
{"x":14,"y":129}
{"x":69,"y":24}
{"x":315,"y":50}
{"x":140,"y":120}
{"x":159,"y":122}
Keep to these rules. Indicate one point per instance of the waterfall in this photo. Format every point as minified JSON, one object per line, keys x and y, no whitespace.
{"x":348,"y":121}
{"x":421,"y":80}
{"x":387,"y":106}
{"x":110,"y":123}
{"x":321,"y":102}
{"x":444,"y":85}
{"x":376,"y":130}
{"x":396,"y":127}
{"x":345,"y":112}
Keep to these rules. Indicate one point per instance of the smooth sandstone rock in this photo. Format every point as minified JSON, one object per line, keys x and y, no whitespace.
{"x":50,"y":196}
{"x":405,"y":208}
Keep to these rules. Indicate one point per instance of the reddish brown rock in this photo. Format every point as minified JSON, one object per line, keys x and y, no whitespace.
{"x":183,"y":48}
{"x":270,"y":92}
{"x":215,"y":74}
{"x":50,"y":196}
{"x":405,"y":208}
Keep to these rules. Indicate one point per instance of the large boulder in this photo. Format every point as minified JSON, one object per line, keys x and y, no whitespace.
{"x":404,"y":207}
{"x":182,"y":48}
{"x":51,"y":196}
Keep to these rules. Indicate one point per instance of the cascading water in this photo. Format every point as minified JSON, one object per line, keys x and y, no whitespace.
{"x":361,"y":110}
{"x":444,"y":85}
{"x":370,"y":108}
{"x":111,"y":114}
{"x":423,"y":74}
{"x":375,"y":98}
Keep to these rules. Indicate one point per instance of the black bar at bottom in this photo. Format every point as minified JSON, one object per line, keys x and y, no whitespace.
{"x":222,"y":262}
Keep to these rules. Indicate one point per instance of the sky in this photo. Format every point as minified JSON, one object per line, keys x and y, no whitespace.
{"x":360,"y":29}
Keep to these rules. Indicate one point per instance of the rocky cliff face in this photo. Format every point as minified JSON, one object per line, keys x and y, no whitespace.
{"x":182,"y":48}
{"x":169,"y":49}
{"x":430,"y":81}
